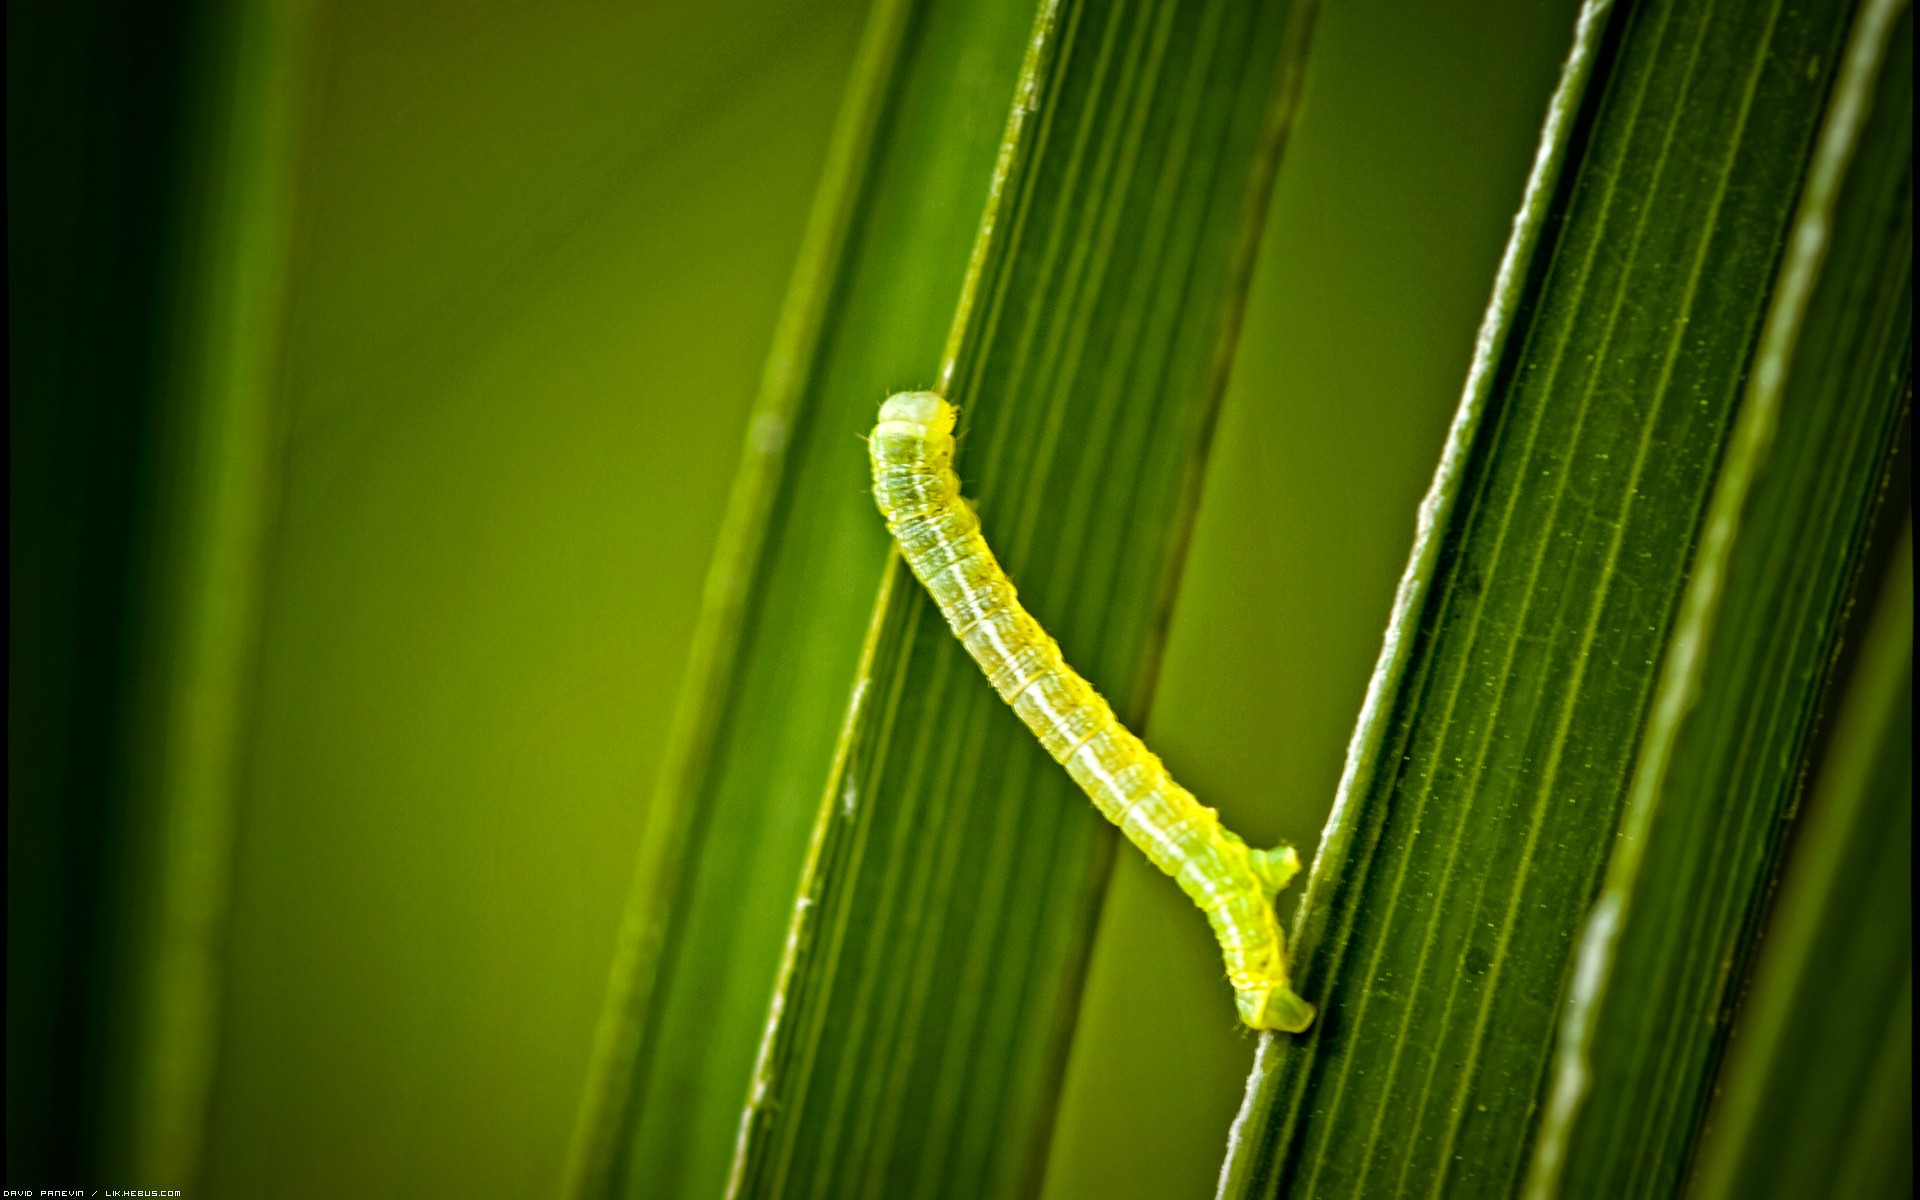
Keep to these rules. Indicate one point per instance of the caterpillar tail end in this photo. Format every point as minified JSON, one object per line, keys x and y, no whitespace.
{"x":1274,"y":1006}
{"x":1275,"y":868}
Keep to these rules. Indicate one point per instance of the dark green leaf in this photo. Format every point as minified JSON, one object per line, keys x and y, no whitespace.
{"x":1663,"y":954}
{"x":1817,"y":1095}
{"x":1492,"y":766}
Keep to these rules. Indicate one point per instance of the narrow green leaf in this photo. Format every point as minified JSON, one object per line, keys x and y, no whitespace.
{"x":788,"y":599}
{"x":220,"y":462}
{"x":1817,"y":1095}
{"x":1488,"y":776}
{"x":152,"y":163}
{"x":1662,"y":954}
{"x":918,"y":1033}
{"x":1417,"y":126}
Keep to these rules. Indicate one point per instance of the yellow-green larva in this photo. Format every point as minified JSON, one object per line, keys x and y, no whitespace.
{"x":918,"y":493}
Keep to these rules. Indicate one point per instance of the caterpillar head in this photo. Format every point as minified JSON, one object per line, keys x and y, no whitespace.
{"x":1273,"y":1006}
{"x":925,"y":409}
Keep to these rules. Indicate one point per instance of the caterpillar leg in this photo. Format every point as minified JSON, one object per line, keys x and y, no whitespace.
{"x":1272,"y":1003}
{"x":1273,"y":1007}
{"x":1276,"y":867}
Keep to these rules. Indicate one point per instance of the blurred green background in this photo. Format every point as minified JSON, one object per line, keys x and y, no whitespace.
{"x":532,"y":261}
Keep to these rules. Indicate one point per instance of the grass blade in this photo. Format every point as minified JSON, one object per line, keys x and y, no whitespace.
{"x":1417,"y":127}
{"x":220,"y":465}
{"x":1724,"y":748}
{"x":1817,"y":1095}
{"x":919,"y":1030}
{"x":788,"y":599}
{"x":152,"y":168}
{"x":1495,"y":755}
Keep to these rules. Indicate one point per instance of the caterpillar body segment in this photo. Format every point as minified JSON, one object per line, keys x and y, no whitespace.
{"x":939,"y":536}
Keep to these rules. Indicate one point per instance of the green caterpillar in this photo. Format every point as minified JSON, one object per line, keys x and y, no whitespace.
{"x":939,"y":536}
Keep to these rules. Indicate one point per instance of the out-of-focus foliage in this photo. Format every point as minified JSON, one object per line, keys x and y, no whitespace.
{"x":1817,"y":1095}
{"x":535,"y":259}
